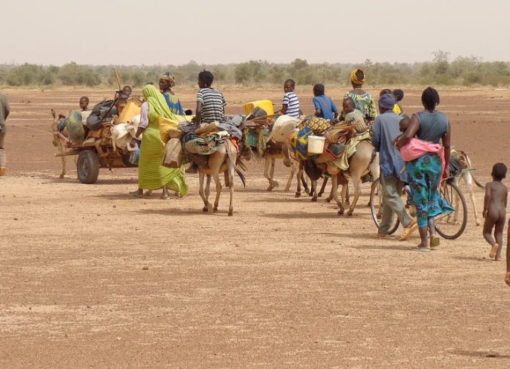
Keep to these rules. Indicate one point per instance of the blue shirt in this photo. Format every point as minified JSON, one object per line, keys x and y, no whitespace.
{"x":326,"y":105}
{"x":384,"y":131}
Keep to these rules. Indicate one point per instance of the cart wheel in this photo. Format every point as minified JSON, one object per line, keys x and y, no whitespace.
{"x":87,"y":166}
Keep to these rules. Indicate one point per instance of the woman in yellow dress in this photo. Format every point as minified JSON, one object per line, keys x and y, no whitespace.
{"x":151,"y":174}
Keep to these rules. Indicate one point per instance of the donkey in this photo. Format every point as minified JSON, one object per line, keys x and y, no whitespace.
{"x":224,"y":160}
{"x":468,"y":178}
{"x":59,"y":141}
{"x":276,"y":151}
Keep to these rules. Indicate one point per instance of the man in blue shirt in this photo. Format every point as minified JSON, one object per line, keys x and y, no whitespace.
{"x":384,"y":131}
{"x":324,"y":105}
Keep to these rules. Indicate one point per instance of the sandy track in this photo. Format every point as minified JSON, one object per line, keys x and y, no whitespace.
{"x":93,"y":278}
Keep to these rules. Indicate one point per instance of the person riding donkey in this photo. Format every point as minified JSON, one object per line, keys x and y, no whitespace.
{"x":362,"y":100}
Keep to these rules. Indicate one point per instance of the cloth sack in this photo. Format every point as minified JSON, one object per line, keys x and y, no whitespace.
{"x":283,"y":128}
{"x":173,"y":156}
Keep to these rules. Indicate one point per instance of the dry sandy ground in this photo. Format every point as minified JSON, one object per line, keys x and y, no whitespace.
{"x":91,"y":278}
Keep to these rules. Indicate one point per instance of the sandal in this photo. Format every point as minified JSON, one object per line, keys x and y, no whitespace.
{"x":136,"y":194}
{"x":421,"y":249}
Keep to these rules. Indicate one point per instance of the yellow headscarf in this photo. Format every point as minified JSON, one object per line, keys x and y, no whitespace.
{"x":168,"y":77}
{"x":355,"y":79}
{"x":157,"y":103}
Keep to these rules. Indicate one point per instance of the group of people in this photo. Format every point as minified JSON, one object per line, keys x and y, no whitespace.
{"x":413,"y":151}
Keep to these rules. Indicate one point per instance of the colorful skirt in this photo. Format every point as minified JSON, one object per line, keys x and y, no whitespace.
{"x":424,"y":176}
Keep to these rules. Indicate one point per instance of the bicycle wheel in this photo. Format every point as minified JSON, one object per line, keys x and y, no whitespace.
{"x":452,"y":225}
{"x":376,"y":206}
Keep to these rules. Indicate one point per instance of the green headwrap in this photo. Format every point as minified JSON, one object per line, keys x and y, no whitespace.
{"x":157,"y":103}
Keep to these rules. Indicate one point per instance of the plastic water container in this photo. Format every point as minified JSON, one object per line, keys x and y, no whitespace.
{"x":316,"y":144}
{"x":266,"y":105}
{"x":131,"y":110}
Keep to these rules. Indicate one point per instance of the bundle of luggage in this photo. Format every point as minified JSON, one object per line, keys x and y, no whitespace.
{"x":186,"y":139}
{"x":331,"y":145}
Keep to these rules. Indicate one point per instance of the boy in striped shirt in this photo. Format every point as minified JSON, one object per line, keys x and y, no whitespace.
{"x":290,"y":104}
{"x":210,"y":102}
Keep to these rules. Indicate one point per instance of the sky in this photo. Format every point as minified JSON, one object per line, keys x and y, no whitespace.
{"x":162,"y":32}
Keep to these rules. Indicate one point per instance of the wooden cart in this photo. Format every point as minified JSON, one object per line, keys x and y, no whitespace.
{"x":94,"y":153}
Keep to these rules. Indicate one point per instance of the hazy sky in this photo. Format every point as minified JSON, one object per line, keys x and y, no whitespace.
{"x":224,"y":31}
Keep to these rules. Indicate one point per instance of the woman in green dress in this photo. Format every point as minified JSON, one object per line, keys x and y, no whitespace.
{"x":151,"y":174}
{"x":362,"y":99}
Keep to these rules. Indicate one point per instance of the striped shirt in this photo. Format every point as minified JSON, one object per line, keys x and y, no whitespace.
{"x":292,"y":101}
{"x":213,"y":105}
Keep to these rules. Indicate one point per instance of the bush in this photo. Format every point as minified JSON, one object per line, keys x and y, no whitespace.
{"x":440,"y":71}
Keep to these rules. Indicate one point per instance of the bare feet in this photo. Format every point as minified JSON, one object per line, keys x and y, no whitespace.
{"x":507,"y":278}
{"x":494,"y":251}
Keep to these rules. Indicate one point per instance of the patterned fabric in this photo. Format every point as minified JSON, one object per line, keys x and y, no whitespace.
{"x":151,"y":174}
{"x":213,"y":105}
{"x":168,"y":77}
{"x":424,"y":175}
{"x":300,"y":143}
{"x":350,"y":149}
{"x":293,"y":106}
{"x":173,"y":103}
{"x":364,"y":103}
{"x":316,"y":124}
{"x":355,"y":79}
{"x":204,"y":146}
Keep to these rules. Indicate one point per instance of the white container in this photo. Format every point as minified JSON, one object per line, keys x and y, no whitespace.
{"x":316,"y":144}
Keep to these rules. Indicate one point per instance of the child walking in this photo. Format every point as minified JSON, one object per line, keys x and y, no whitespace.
{"x":494,"y":210}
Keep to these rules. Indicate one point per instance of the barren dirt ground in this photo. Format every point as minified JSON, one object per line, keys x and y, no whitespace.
{"x":91,"y":278}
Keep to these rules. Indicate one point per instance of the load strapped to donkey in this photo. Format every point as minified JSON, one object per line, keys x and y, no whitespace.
{"x":342,"y":151}
{"x":101,"y":138}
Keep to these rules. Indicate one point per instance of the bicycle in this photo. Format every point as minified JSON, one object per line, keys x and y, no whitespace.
{"x":449,"y":226}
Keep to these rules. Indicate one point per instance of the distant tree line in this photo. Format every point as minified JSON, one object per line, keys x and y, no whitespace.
{"x":462,"y":71}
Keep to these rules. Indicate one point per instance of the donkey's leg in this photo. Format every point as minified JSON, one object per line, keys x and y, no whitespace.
{"x":208,"y":193}
{"x":313,"y":190}
{"x":342,"y":204}
{"x":217,"y":182}
{"x":356,"y":182}
{"x":334,"y":194}
{"x":63,"y":158}
{"x":299,"y":179}
{"x":305,"y":184}
{"x":292,"y":174}
{"x":201,"y":177}
{"x":468,"y":180}
{"x":267,"y":163}
{"x":231,"y":171}
{"x":323,"y":188}
{"x":272,"y":182}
